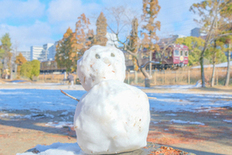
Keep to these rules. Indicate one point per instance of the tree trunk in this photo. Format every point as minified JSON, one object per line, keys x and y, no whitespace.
{"x":228,"y":68}
{"x":202,"y":71}
{"x":213,"y":75}
{"x":147,"y":77}
{"x":214,"y":57}
{"x":150,"y":65}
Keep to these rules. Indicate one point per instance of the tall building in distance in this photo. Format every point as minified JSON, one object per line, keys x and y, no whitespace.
{"x":196,"y":32}
{"x":36,"y":53}
{"x":26,"y":54}
{"x":43,"y":53}
{"x":49,"y":51}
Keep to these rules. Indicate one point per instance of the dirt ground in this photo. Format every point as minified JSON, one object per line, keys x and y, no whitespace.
{"x":215,"y":137}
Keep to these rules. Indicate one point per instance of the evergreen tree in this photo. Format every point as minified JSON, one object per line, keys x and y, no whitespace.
{"x":5,"y":54}
{"x":66,"y":51}
{"x":101,"y":30}
{"x":20,"y":60}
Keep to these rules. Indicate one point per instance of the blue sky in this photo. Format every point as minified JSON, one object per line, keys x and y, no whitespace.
{"x":36,"y":22}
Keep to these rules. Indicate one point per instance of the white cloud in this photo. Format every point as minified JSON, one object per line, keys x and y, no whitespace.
{"x":68,"y":10}
{"x":174,"y":16}
{"x":61,"y":11}
{"x":37,"y":34}
{"x":63,"y":14}
{"x":20,"y":9}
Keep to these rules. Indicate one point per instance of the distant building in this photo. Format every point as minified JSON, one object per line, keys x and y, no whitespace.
{"x":196,"y":32}
{"x":112,"y":40}
{"x":26,"y":54}
{"x":43,"y":53}
{"x":49,"y":52}
{"x":36,"y":53}
{"x":171,"y":39}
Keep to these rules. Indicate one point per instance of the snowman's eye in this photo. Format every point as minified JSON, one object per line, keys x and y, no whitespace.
{"x":112,"y":55}
{"x":97,"y":56}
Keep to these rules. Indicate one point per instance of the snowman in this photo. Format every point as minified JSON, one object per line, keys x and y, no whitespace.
{"x":112,"y":117}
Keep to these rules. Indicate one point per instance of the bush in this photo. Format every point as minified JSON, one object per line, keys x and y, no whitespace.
{"x":30,"y":69}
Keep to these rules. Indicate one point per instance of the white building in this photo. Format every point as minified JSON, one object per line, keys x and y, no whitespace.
{"x":36,"y":53}
{"x":43,"y":53}
{"x":112,"y":40}
{"x":49,"y":51}
{"x":26,"y":54}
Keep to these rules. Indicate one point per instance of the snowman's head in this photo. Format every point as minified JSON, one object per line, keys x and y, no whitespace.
{"x":101,"y":63}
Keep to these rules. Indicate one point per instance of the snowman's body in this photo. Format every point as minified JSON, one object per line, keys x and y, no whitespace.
{"x":112,"y":117}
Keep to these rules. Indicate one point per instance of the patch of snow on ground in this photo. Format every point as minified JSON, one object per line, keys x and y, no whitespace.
{"x":42,"y":100}
{"x":39,"y":99}
{"x":60,"y":124}
{"x":32,"y":116}
{"x":64,"y":113}
{"x":228,"y":121}
{"x":155,"y":122}
{"x":171,"y":114}
{"x":186,"y":122}
{"x":188,"y":102}
{"x":57,"y":149}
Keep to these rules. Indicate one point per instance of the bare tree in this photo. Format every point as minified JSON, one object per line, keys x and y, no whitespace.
{"x":209,"y":11}
{"x":125,"y":25}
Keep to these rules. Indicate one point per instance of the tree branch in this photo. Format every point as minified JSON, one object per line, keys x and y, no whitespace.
{"x":69,"y":96}
{"x":148,"y":62}
{"x":219,"y":36}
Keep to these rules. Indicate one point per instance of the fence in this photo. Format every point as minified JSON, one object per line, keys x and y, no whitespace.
{"x":178,"y":77}
{"x":54,"y":78}
{"x":164,"y":77}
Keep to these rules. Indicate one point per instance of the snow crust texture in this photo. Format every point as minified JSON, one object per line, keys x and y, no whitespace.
{"x":57,"y":149}
{"x":101,"y":63}
{"x":112,"y":117}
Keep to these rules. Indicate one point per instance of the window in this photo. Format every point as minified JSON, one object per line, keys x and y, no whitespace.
{"x":166,"y":53}
{"x":157,"y":55}
{"x":177,"y":53}
{"x":170,"y":52}
{"x":181,"y":53}
{"x":186,"y":53}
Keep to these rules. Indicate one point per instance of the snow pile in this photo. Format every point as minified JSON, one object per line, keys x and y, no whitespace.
{"x":186,"y":122}
{"x":221,"y":65}
{"x":60,"y":124}
{"x":197,"y":85}
{"x":56,"y":149}
{"x":119,"y":115}
{"x":101,"y":63}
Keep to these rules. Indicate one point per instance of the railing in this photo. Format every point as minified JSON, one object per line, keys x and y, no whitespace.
{"x":165,"y":77}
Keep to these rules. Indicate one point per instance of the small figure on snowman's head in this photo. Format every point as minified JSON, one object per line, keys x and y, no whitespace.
{"x":112,"y":116}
